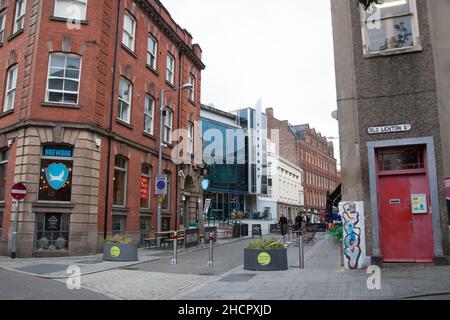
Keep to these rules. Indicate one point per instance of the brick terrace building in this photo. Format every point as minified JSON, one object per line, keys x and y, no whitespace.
{"x":312,"y":152}
{"x":79,"y":121}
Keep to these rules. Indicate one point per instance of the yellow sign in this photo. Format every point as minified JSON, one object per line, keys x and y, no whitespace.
{"x":115,"y":252}
{"x":264,"y":259}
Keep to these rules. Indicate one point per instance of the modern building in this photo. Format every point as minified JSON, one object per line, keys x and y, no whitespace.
{"x":285,"y":194}
{"x":393,"y":86}
{"x":80,"y":121}
{"x":311,"y":152}
{"x":229,"y":184}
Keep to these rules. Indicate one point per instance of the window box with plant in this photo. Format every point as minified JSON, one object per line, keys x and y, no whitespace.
{"x":266,"y":255}
{"x":120,"y":248}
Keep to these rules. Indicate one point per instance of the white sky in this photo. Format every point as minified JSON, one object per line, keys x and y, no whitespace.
{"x":280,"y":51}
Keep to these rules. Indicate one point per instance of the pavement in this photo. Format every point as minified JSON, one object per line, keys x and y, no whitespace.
{"x":324,"y":279}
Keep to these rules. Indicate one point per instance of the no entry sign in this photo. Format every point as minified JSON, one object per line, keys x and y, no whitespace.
{"x":19,"y":191}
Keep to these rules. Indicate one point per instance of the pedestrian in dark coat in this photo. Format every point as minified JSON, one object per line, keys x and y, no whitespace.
{"x":283,"y":222}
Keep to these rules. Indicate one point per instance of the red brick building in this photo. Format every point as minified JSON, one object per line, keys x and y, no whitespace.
{"x":79,"y":121}
{"x":311,"y":152}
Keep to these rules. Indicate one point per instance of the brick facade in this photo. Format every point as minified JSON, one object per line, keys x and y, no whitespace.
{"x":91,"y":126}
{"x":312,"y":152}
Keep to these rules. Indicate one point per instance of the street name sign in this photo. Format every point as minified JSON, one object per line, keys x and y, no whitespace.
{"x":389,"y":129}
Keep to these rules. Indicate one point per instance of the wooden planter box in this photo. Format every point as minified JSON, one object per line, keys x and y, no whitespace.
{"x":120,"y":252}
{"x":265,"y":260}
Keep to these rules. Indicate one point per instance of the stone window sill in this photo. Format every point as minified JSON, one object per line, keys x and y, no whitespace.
{"x":6,"y":113}
{"x":148,"y":135}
{"x":123,"y":123}
{"x":392,"y":52}
{"x":60,"y":105}
{"x":51,"y":204}
{"x":61,"y":19}
{"x":120,"y":210}
{"x":16,"y":34}
{"x":152,"y":70}
{"x":134,"y":55}
{"x":146,"y":211}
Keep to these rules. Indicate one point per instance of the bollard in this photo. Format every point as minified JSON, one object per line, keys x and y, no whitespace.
{"x":211,"y":246}
{"x":301,"y":252}
{"x":175,"y":248}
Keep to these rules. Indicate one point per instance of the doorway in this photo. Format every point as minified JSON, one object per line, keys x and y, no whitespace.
{"x":406,"y":230}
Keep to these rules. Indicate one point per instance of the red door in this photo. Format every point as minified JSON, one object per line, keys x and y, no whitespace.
{"x":397,"y":241}
{"x":405,"y":237}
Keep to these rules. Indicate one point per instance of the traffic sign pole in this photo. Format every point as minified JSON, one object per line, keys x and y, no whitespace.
{"x":18,"y":192}
{"x":14,"y":239}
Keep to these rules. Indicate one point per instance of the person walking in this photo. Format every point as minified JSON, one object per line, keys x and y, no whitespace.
{"x":298,"y":222}
{"x":283,"y":222}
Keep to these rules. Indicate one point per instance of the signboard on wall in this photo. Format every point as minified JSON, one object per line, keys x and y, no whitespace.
{"x":352,"y":213}
{"x":389,"y":129}
{"x":419,"y":203}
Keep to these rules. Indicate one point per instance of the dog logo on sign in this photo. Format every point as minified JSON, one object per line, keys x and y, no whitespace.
{"x":57,"y":175}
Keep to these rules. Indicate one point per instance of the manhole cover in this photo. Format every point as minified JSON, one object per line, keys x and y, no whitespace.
{"x":42,"y":269}
{"x":237,"y":278}
{"x":89,"y":262}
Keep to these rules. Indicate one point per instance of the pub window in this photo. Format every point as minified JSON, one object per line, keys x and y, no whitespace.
{"x":3,"y":170}
{"x":118,"y":225}
{"x":146,"y":176}
{"x":52,"y":231}
{"x":120,"y":181}
{"x":55,"y":183}
{"x":145,"y":227}
{"x":165,"y":205}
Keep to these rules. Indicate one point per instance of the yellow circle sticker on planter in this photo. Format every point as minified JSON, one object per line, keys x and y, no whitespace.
{"x":264,"y":259}
{"x":115,"y":252}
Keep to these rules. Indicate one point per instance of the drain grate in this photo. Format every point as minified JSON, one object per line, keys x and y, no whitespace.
{"x":237,"y":278}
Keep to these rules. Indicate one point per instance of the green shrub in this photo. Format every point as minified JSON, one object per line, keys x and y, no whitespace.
{"x":119,"y":239}
{"x":266,"y":244}
{"x":337,"y":234}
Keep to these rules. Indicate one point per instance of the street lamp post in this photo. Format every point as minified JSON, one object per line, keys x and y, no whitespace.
{"x":161,"y":131}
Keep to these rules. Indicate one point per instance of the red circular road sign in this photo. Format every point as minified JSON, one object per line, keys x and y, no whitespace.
{"x":19,"y":191}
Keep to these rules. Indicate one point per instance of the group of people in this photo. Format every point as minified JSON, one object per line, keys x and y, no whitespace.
{"x":283,"y":223}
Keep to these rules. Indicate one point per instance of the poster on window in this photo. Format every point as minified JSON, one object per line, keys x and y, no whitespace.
{"x":55,"y":181}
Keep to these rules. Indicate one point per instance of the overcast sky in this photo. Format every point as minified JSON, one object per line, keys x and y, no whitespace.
{"x":280,"y":51}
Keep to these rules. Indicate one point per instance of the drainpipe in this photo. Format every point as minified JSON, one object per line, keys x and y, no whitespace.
{"x":113,"y":93}
{"x":180,"y":95}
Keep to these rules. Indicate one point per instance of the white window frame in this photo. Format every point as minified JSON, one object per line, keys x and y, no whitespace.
{"x":2,"y":26}
{"x":170,"y":72}
{"x":11,"y":85}
{"x":131,"y":37}
{"x":48,"y":90}
{"x":168,"y":125}
{"x":4,"y":159}
{"x":415,"y":32}
{"x":190,"y":138}
{"x":147,"y":114}
{"x":74,"y":15}
{"x":123,"y":101}
{"x":191,"y":92}
{"x":19,"y":17}
{"x":151,"y":54}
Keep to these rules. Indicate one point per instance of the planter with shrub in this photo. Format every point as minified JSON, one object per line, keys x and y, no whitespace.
{"x":120,"y":248}
{"x":265,"y":255}
{"x":337,"y":237}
